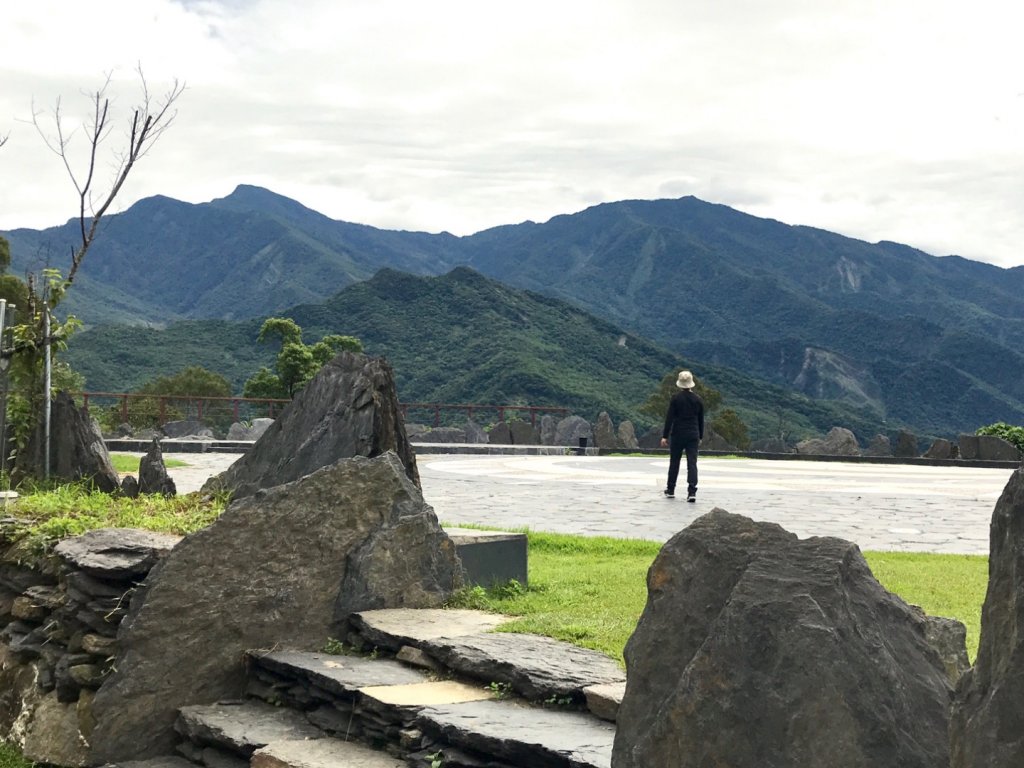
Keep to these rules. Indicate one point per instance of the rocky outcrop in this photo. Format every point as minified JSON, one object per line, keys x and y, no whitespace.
{"x":987,"y":729}
{"x":758,"y":648}
{"x":283,"y":566}
{"x":838,"y":442}
{"x":626,"y":435}
{"x":350,"y":408}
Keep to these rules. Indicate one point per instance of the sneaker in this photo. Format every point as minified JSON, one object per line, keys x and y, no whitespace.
{"x":669,"y":494}
{"x":691,"y":498}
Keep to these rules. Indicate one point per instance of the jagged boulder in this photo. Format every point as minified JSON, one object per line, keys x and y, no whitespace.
{"x":77,"y":450}
{"x":153,"y":477}
{"x":350,"y":408}
{"x":757,"y":648}
{"x":284,"y":566}
{"x":987,"y":728}
{"x":253,"y":431}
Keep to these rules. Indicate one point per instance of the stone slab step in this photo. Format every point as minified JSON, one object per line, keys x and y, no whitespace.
{"x":244,"y":727}
{"x":338,"y":674}
{"x":434,"y":693}
{"x":520,"y":735}
{"x":154,"y":762}
{"x":536,"y":667}
{"x":322,"y":753}
{"x":603,"y":700}
{"x":392,"y":628}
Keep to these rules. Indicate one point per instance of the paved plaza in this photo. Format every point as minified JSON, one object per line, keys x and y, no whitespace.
{"x":878,"y":506}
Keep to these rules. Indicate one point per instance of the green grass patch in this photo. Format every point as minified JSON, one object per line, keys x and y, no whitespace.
{"x":70,"y":510}
{"x":10,"y":757}
{"x":591,"y":591}
{"x":125,"y":463}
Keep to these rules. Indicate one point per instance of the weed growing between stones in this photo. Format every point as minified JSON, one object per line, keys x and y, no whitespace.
{"x":499,"y":691}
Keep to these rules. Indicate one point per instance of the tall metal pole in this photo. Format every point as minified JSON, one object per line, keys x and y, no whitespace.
{"x":4,"y":363}
{"x":46,"y":394}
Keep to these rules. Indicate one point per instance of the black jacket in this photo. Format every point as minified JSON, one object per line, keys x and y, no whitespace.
{"x":685,"y":417}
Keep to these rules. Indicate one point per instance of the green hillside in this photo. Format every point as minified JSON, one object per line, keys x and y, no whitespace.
{"x":462,"y":338}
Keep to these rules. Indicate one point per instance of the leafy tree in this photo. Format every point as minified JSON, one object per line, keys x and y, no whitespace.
{"x":296,"y":363}
{"x":194,"y":381}
{"x":264,"y":384}
{"x":657,"y":403}
{"x":731,"y":427}
{"x":5,"y":255}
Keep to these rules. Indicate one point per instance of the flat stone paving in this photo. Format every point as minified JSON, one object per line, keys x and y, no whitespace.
{"x":878,"y":506}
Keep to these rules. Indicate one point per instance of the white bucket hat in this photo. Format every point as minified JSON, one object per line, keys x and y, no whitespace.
{"x":685,"y":380}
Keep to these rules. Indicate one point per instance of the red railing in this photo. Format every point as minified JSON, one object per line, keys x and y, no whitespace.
{"x":203,"y":402}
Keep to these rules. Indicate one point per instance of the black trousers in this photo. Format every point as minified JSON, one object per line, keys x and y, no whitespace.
{"x":676,"y":447}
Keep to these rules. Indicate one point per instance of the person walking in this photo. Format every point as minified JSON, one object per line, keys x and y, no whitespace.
{"x":684,"y":429}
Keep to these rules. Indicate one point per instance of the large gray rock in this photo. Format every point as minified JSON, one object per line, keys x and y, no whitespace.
{"x":350,"y":408}
{"x":993,"y":448}
{"x":714,"y":442}
{"x":77,"y":450}
{"x":475,"y":433}
{"x":569,"y":430}
{"x":627,"y":436}
{"x":500,"y":434}
{"x":523,"y":433}
{"x":906,"y":445}
{"x":940,"y":449}
{"x":604,"y":431}
{"x":284,"y":567}
{"x":757,"y":648}
{"x":548,"y":428}
{"x":838,"y":442}
{"x":987,"y":728}
{"x":880,"y":445}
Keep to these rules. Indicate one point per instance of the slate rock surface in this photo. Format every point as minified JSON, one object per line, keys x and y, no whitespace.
{"x":284,"y":566}
{"x":338,"y":674}
{"x":758,"y":648}
{"x":987,"y":727}
{"x":322,"y":753}
{"x":350,"y":408}
{"x":524,"y":736}
{"x":604,"y":431}
{"x":153,"y":477}
{"x":116,"y":553}
{"x":243,"y":728}
{"x":393,"y":628}
{"x":536,"y":667}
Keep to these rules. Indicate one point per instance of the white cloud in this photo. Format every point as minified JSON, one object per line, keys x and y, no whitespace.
{"x":898,"y":120}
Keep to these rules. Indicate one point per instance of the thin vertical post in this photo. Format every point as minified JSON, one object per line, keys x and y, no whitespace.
{"x":47,"y":410}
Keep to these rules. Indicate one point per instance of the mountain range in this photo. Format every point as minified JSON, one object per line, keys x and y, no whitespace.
{"x":896,"y":335}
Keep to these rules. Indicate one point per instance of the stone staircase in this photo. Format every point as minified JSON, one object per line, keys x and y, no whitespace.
{"x":422,"y":688}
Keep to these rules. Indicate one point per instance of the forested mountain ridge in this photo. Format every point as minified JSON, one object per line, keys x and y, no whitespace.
{"x":460,"y":338}
{"x":934,"y":342}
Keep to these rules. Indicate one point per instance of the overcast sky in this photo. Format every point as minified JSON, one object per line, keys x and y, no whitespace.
{"x":894,"y":120}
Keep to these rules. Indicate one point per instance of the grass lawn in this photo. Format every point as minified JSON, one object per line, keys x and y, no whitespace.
{"x":591,"y":591}
{"x":124,"y":463}
{"x":10,"y":757}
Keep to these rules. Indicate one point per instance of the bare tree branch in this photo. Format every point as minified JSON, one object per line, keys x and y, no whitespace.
{"x":148,"y":122}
